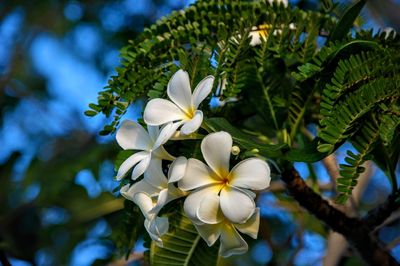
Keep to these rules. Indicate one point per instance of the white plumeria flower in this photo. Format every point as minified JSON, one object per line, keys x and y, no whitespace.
{"x":231,"y":241}
{"x":260,"y":33}
{"x":284,"y":2}
{"x":233,"y":187}
{"x":151,"y":194}
{"x":132,"y":136}
{"x":183,"y":108}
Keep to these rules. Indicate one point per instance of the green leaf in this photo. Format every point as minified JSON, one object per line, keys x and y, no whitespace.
{"x":121,"y":157}
{"x":245,"y":141}
{"x":347,"y":21}
{"x":308,"y":154}
{"x":327,"y":5}
{"x":182,"y":245}
{"x":95,"y":107}
{"x":130,"y":225}
{"x":365,"y":143}
{"x":90,"y":113}
{"x":122,"y":105}
{"x":342,"y":119}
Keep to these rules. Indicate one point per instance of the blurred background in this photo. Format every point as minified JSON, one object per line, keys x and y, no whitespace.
{"x":57,"y":205}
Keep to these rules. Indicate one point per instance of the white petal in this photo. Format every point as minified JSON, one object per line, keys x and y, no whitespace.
{"x":209,"y":211}
{"x":202,"y":90}
{"x":124,"y":192}
{"x":145,"y":204}
{"x":154,"y":174}
{"x":132,"y":136}
{"x":193,"y":124}
{"x":209,"y":232}
{"x":251,"y":226}
{"x":284,"y":2}
{"x":231,"y":242}
{"x":177,"y":169}
{"x":255,"y":38}
{"x":216,"y":149}
{"x":197,"y":174}
{"x":157,"y":228}
{"x":154,"y":237}
{"x":129,"y":192}
{"x":179,"y":136}
{"x":130,"y":162}
{"x":160,"y":226}
{"x":179,"y":91}
{"x":161,"y":153}
{"x":251,"y":173}
{"x":192,"y":202}
{"x":166,"y":133}
{"x":141,"y":167}
{"x":154,"y":131}
{"x":236,"y":205}
{"x":250,"y":193}
{"x":161,"y":111}
{"x":165,"y":196}
{"x":161,"y":201}
{"x":174,"y":193}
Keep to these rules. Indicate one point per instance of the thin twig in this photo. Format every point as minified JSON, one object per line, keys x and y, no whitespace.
{"x":377,"y":216}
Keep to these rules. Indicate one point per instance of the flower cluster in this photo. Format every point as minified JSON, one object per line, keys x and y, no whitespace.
{"x":219,"y":199}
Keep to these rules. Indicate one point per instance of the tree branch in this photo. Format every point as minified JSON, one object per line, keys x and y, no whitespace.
{"x":337,"y":243}
{"x":377,"y":216}
{"x":3,"y":259}
{"x":355,"y":231}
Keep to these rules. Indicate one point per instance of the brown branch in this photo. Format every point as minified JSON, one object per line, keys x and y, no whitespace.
{"x":279,"y":186}
{"x":355,"y":231}
{"x":377,"y":216}
{"x":133,"y":257}
{"x":3,"y":259}
{"x":336,"y":243}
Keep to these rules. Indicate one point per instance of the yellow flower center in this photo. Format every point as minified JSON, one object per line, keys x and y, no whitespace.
{"x":189,"y":113}
{"x":263,"y":30}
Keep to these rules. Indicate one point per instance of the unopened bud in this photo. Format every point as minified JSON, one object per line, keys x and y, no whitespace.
{"x":235,"y":150}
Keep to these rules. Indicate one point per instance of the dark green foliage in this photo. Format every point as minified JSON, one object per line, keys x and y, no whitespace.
{"x":183,"y":246}
{"x":347,"y":20}
{"x":255,"y":145}
{"x":299,"y":99}
{"x":246,"y":141}
{"x":343,"y":121}
{"x":356,"y":78}
{"x":213,"y":28}
{"x":362,"y":84}
{"x":364,"y":143}
{"x":130,"y":227}
{"x":388,"y":129}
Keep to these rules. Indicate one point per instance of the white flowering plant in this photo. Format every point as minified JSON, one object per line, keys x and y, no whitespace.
{"x":219,"y":201}
{"x":273,"y":85}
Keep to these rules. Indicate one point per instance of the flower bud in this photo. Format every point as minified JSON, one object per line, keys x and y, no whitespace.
{"x":235,"y":150}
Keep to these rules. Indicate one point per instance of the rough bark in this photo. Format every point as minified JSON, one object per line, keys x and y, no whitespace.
{"x":377,"y":216}
{"x":3,"y":259}
{"x":355,"y":230}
